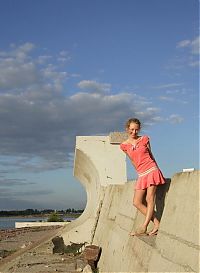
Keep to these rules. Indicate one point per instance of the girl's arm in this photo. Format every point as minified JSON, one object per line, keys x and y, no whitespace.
{"x":149,"y":148}
{"x":127,"y":155}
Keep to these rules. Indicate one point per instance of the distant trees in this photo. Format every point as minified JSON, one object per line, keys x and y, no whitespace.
{"x":73,"y":210}
{"x":25,"y":212}
{"x":36,"y":212}
{"x":55,"y":217}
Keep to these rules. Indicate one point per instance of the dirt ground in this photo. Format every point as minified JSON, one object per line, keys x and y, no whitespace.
{"x":31,"y":250}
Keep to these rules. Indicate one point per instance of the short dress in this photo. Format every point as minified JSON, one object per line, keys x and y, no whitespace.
{"x":145,"y":165}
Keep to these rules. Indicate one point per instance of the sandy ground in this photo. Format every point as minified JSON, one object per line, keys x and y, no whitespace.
{"x":31,"y":250}
{"x":15,"y":239}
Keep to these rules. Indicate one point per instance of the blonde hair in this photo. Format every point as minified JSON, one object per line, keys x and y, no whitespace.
{"x":132,"y":120}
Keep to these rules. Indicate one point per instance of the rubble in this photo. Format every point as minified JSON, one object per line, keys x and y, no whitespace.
{"x":43,"y":257}
{"x":91,"y":255}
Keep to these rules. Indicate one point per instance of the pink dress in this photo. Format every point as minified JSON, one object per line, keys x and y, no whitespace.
{"x":145,"y":165}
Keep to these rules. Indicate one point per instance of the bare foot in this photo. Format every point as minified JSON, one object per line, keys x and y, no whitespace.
{"x":139,"y":232}
{"x":154,"y":231}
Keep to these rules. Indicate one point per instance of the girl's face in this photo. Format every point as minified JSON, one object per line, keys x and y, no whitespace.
{"x":133,"y":130}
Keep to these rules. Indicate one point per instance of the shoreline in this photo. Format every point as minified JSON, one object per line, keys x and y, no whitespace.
{"x":73,"y":215}
{"x":31,"y":250}
{"x":9,"y":222}
{"x":11,"y":232}
{"x":14,"y":239}
{"x":15,"y":243}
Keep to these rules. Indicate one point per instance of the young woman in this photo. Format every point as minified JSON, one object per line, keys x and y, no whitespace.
{"x":149,"y":175}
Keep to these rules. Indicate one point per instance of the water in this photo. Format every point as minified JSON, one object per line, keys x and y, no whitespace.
{"x":9,"y":222}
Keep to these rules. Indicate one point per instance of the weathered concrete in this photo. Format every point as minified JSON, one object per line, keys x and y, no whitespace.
{"x":109,"y":215}
{"x":120,"y":251}
{"x":174,"y":249}
{"x":117,"y":137}
{"x":178,"y":239}
{"x":97,"y":164}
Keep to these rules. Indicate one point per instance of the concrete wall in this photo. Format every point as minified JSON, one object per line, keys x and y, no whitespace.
{"x":97,"y":164}
{"x":177,"y":244}
{"x":174,"y":249}
{"x":109,"y":215}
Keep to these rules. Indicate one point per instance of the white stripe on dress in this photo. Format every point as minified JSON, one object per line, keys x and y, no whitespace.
{"x":147,"y":171}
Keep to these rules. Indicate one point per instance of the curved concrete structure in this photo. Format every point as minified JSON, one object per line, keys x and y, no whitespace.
{"x":109,"y":215}
{"x":97,"y":164}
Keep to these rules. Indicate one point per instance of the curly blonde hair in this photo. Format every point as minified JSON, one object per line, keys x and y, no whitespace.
{"x":132,"y":120}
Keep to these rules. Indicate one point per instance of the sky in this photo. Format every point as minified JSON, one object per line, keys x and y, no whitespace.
{"x":83,"y":67}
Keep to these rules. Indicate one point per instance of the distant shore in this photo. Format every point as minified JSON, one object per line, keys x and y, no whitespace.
{"x":67,"y":215}
{"x":7,"y":222}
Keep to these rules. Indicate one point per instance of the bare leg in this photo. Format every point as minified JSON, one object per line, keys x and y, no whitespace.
{"x":150,"y":198}
{"x":138,"y":203}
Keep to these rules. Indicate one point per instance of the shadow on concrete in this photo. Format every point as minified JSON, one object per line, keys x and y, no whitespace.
{"x":160,"y":198}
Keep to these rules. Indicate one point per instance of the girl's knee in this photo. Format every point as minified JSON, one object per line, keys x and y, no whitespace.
{"x":150,"y":198}
{"x":138,"y":198}
{"x":136,"y":203}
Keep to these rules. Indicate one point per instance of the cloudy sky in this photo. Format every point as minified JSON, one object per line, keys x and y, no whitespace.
{"x":83,"y":67}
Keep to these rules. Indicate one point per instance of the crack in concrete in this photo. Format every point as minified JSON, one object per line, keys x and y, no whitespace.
{"x":97,"y":219}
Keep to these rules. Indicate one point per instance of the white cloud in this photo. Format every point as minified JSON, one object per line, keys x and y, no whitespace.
{"x":16,"y":74}
{"x":166,"y":98}
{"x":174,"y":118}
{"x":43,"y":59}
{"x":19,"y":69}
{"x":188,"y":54}
{"x":184,"y":43}
{"x":40,"y":124}
{"x":195,"y":45}
{"x":64,"y":56}
{"x":168,"y":85}
{"x":43,"y":124}
{"x":18,"y":52}
{"x":64,"y":53}
{"x":173,"y":99}
{"x":94,"y":86}
{"x":192,"y":44}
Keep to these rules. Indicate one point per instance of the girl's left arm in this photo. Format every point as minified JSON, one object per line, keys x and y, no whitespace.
{"x":149,"y":148}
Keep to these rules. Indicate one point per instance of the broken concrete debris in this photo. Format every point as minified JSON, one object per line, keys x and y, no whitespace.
{"x":60,"y":247}
{"x":91,"y":255}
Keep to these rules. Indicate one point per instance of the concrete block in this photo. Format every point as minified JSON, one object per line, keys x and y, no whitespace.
{"x":117,"y":137}
{"x":178,"y":251}
{"x":161,"y":264}
{"x":115,"y":196}
{"x":126,"y":207}
{"x":180,"y":216}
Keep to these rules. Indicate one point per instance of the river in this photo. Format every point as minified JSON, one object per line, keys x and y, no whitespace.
{"x":9,"y":222}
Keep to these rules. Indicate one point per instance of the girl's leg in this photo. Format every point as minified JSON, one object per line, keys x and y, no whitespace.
{"x":138,"y":199}
{"x":150,"y":198}
{"x":138,"y":203}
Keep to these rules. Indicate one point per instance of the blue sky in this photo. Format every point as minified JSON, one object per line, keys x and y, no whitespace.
{"x":84,"y":67}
